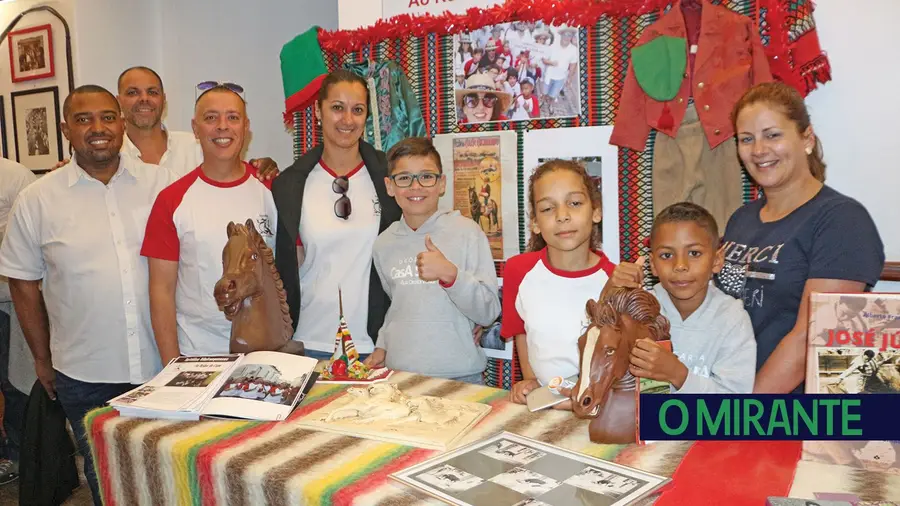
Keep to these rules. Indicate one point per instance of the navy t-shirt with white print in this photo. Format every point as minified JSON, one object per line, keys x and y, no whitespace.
{"x":831,"y":236}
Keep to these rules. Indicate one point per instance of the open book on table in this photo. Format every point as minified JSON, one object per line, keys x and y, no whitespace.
{"x":263,"y":385}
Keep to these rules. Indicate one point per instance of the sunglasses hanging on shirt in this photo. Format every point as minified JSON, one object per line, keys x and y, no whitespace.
{"x":342,"y":205}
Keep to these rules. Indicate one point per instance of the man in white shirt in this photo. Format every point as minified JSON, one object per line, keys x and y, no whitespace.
{"x":562,"y":63}
{"x":186,"y":231}
{"x":147,"y":140}
{"x":13,"y":178}
{"x":143,"y":99}
{"x":79,"y":229}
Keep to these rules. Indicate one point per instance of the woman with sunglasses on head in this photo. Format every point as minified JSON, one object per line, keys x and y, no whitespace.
{"x":332,"y":204}
{"x":480,"y":101}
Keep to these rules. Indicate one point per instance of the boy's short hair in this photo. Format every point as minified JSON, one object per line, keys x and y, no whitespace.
{"x":687,"y":212}
{"x":413,"y":146}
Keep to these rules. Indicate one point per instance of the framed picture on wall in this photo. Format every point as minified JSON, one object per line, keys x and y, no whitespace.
{"x":590,"y":147}
{"x":3,"y":128}
{"x":517,"y":71}
{"x":31,"y":53}
{"x":38,"y":140}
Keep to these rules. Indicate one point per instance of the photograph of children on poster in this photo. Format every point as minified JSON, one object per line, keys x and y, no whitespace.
{"x":516,"y":71}
{"x":480,"y":170}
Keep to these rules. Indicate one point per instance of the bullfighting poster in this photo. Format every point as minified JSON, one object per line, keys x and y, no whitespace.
{"x":481,"y":184}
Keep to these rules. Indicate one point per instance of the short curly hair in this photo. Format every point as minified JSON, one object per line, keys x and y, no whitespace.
{"x":687,"y":212}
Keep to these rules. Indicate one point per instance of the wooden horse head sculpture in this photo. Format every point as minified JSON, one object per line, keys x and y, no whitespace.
{"x":605,"y":390}
{"x":252,"y":296}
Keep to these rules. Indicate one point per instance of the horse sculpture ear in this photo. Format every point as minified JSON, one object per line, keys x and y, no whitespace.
{"x":230,"y":229}
{"x":591,"y":308}
{"x":251,"y":228}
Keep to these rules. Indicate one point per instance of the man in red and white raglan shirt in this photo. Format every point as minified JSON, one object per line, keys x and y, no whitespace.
{"x":186,"y":231}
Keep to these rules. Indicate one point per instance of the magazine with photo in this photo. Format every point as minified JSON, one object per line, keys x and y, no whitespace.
{"x":649,"y":386}
{"x":263,"y":385}
{"x":511,"y":470}
{"x":854,"y":348}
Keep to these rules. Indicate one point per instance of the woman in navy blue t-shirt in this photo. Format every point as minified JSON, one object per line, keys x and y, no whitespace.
{"x":800,"y":237}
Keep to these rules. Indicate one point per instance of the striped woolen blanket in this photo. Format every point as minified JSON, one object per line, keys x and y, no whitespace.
{"x":212,"y":462}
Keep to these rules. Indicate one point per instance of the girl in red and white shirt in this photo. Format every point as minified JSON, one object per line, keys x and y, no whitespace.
{"x":545,"y":290}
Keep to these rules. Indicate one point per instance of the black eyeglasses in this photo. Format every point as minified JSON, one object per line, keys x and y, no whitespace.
{"x":425,"y":179}
{"x":342,"y":206}
{"x":471,"y":100}
{"x":208,"y":85}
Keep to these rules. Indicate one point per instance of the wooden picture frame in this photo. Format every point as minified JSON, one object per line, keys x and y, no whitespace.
{"x":31,"y":53}
{"x":3,"y":140}
{"x":36,"y":132}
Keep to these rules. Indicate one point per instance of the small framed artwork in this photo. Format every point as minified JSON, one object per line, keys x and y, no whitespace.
{"x":31,"y":53}
{"x":38,"y":140}
{"x":3,"y":128}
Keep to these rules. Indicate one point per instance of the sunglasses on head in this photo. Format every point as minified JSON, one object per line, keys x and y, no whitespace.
{"x":471,"y":100}
{"x":342,"y":205}
{"x":208,"y":85}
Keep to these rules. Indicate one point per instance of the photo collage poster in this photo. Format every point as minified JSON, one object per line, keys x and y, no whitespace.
{"x":517,"y":71}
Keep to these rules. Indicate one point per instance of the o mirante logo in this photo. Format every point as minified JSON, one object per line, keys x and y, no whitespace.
{"x":768,"y":416}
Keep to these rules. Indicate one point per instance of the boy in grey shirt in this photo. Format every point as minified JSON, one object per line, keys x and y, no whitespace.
{"x":712,"y":336}
{"x":437,"y":268}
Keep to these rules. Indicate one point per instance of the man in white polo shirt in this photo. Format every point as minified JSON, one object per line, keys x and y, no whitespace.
{"x":79,"y":229}
{"x":186,"y":231}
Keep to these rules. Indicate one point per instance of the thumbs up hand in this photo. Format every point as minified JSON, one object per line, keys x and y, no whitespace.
{"x":434,"y":266}
{"x":629,"y":275}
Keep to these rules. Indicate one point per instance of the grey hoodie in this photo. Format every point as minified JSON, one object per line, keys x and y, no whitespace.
{"x":428,"y":328}
{"x":715,"y":343}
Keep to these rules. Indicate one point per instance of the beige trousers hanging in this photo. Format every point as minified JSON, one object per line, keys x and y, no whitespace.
{"x":686,"y":170}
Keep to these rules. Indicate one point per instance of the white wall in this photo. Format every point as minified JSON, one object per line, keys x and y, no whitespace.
{"x":237,"y":41}
{"x":354,"y":14}
{"x":855,"y":115}
{"x":113,"y":35}
{"x":186,"y":41}
{"x":8,"y":11}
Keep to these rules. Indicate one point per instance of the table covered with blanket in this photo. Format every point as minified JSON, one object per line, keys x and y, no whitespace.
{"x":213,"y":462}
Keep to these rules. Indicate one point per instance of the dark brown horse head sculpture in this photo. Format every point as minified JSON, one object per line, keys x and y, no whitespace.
{"x":251,"y":294}
{"x":605,"y":387}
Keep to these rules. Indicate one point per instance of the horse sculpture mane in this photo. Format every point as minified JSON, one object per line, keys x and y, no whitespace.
{"x":251,"y":294}
{"x":605,"y":390}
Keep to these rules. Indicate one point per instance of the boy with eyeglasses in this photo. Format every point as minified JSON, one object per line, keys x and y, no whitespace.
{"x":437,"y":268}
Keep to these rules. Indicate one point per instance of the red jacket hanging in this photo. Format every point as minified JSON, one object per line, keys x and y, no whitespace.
{"x":729,"y":60}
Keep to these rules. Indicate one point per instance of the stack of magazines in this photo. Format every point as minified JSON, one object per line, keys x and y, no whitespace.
{"x":257,"y":386}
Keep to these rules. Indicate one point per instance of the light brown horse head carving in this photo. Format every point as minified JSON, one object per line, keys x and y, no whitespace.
{"x":251,"y":293}
{"x":617,"y":322}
